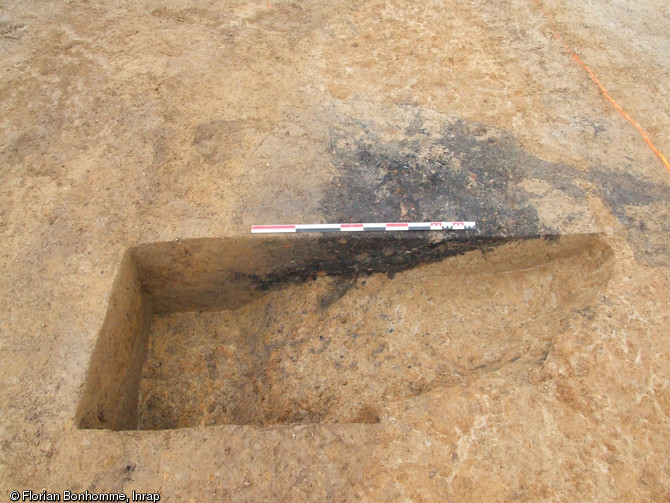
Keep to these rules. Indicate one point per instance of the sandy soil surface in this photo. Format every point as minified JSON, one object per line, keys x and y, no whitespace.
{"x":124,"y":124}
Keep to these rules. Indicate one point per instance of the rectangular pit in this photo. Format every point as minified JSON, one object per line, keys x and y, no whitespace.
{"x":279,"y":330}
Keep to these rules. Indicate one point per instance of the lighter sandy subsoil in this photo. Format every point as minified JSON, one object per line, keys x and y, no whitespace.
{"x":525,"y":370}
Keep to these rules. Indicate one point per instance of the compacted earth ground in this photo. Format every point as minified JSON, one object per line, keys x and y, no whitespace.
{"x":151,"y":344}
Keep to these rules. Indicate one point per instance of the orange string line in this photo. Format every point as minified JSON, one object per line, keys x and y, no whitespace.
{"x":620,"y":109}
{"x":609,"y":98}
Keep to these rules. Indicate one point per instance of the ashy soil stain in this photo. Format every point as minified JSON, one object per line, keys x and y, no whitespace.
{"x":643,"y":209}
{"x":462,"y":171}
{"x":416,"y":165}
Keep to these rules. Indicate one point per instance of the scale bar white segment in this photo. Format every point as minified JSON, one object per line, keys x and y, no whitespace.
{"x":364,"y":227}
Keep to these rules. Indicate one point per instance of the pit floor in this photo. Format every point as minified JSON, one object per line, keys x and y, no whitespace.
{"x":337,"y":350}
{"x":131,"y":123}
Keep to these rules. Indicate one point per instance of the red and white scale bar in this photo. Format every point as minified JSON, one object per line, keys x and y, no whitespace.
{"x":385,"y":227}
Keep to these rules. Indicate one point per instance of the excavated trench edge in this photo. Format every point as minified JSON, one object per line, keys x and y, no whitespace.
{"x":226,"y":274}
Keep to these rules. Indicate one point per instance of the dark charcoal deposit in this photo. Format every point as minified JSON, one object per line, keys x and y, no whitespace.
{"x":463,"y":173}
{"x":466,"y":171}
{"x":359,"y":255}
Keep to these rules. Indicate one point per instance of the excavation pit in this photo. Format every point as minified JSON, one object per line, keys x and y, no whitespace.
{"x":285,"y":330}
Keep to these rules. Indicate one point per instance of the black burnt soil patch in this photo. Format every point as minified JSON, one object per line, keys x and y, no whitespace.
{"x":466,"y":172}
{"x":414,"y":168}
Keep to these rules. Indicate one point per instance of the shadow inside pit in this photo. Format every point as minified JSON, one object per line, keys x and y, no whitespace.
{"x":225,"y":321}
